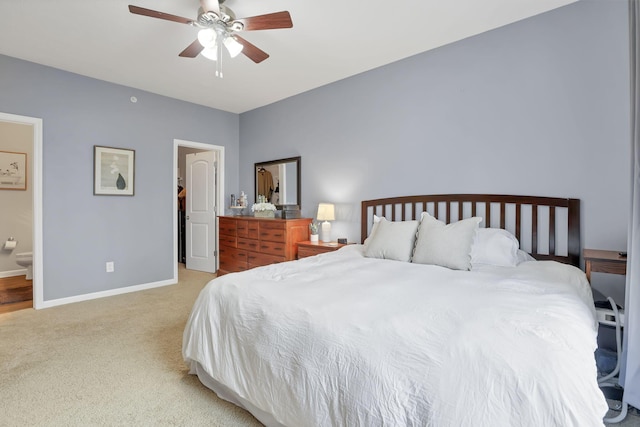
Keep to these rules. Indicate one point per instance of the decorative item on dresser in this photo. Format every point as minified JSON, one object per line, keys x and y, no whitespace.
{"x":311,"y":248}
{"x":247,"y":242}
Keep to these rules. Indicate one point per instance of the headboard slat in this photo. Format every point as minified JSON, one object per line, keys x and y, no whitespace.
{"x":534,"y":228}
{"x":552,"y":229}
{"x":518,"y":219}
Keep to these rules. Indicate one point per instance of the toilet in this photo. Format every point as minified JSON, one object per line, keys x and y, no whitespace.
{"x":25,"y":259}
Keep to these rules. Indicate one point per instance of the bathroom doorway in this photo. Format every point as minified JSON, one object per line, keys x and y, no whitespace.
{"x":184,"y":252}
{"x":21,"y":137}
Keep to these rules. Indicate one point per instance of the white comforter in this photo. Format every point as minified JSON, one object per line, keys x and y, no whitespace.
{"x":343,"y":340}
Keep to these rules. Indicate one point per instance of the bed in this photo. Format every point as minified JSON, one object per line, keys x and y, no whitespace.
{"x":391,"y":332}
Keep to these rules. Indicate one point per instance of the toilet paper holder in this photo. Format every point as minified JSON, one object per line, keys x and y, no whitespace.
{"x":10,"y":244}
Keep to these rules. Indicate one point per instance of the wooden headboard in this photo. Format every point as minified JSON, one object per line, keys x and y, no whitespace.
{"x":546,"y":227}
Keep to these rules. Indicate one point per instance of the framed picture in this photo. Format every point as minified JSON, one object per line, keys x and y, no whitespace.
{"x":113,"y":171}
{"x":13,"y":171}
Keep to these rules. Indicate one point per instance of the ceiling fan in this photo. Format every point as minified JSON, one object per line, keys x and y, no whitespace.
{"x":219,"y":27}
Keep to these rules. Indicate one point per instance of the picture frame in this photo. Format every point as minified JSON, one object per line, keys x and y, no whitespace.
{"x":13,"y":171}
{"x":113,"y":171}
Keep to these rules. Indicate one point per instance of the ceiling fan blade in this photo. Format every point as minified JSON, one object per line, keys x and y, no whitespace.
{"x":161,"y":15}
{"x":210,"y":6}
{"x":270,"y":21}
{"x":192,"y":50}
{"x":252,"y":52}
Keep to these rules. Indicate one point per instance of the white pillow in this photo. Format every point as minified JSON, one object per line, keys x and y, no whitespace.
{"x":376,"y":220}
{"x":495,"y":246}
{"x":447,"y":245}
{"x":391,"y":240}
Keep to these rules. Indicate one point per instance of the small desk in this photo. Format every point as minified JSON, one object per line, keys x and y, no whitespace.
{"x":308,"y":248}
{"x":603,"y":262}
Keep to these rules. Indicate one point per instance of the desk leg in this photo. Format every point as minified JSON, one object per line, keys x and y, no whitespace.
{"x":587,"y":267}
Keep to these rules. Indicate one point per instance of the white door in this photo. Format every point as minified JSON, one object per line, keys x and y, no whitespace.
{"x":200,"y":212}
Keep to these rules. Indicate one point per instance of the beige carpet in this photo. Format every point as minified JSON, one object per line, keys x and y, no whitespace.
{"x":111,"y":362}
{"x":114,"y":361}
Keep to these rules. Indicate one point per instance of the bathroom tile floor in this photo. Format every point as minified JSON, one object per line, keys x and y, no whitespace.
{"x":16,"y":293}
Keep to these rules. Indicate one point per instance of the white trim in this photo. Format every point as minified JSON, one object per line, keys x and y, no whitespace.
{"x":13,"y":273}
{"x":38,"y":282}
{"x":109,"y":293}
{"x":219,"y":191}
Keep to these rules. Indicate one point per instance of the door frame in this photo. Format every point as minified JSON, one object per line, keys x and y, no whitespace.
{"x":36,"y":123}
{"x":219,"y":192}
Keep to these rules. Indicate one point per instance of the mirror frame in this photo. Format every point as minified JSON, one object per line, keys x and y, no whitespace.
{"x":297,"y":160}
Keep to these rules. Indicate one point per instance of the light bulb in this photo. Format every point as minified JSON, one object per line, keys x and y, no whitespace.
{"x":207,"y":37}
{"x":233,"y":46}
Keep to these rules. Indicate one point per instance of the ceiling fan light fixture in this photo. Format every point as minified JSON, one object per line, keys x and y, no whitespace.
{"x":233,"y":46}
{"x":207,"y":38}
{"x":210,"y":53}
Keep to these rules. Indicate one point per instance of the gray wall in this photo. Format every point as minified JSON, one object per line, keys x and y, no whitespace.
{"x":17,"y":206}
{"x":539,"y":107}
{"x":82,"y":231}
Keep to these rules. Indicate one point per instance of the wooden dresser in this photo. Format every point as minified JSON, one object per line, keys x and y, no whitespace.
{"x":247,"y":242}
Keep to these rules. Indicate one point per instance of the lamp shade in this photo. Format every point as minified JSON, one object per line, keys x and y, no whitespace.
{"x":207,"y":37}
{"x":326,"y":212}
{"x":233,"y":46}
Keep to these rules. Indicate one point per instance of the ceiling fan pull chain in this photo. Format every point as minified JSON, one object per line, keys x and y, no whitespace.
{"x":219,"y":54}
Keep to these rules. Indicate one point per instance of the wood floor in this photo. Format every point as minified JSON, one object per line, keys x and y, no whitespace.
{"x":16,"y":293}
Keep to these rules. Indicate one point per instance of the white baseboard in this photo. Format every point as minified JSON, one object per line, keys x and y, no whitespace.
{"x":102,"y":294}
{"x":13,"y":273}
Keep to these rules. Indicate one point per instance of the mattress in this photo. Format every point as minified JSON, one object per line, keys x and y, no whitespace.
{"x":344,"y":340}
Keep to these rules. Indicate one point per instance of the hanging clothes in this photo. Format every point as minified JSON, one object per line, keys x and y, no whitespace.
{"x":182,"y":195}
{"x":265,"y":183}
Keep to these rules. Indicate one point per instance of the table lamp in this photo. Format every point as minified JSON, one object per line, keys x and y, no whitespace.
{"x":326,"y":213}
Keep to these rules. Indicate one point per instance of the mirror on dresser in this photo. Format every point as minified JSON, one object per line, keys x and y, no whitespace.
{"x":279,"y":181}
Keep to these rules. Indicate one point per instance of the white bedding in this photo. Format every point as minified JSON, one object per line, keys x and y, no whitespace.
{"x":343,"y":340}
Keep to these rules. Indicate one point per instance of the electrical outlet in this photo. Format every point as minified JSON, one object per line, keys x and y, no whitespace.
{"x":110,"y":267}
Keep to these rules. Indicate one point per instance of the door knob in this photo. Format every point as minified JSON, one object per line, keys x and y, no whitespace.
{"x":187,"y":216}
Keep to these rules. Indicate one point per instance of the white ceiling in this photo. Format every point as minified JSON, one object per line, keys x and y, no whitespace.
{"x":330,"y":40}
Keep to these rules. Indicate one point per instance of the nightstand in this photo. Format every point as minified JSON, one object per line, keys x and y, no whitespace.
{"x":604,"y":262}
{"x":307,"y":248}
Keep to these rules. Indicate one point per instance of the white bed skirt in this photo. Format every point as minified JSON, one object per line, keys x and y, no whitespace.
{"x":229,"y":395}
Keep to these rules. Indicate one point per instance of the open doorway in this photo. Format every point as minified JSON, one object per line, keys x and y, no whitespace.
{"x":24,"y":226}
{"x":198,"y":172}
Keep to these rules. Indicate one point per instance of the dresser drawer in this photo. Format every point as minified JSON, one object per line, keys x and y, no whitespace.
{"x":227,"y":226}
{"x":229,"y":241}
{"x":242,"y":228}
{"x":233,"y":267}
{"x":228,"y":254}
{"x":306,"y":252}
{"x":270,"y":224}
{"x":272,"y":235}
{"x":256,"y":259}
{"x":253,"y":231}
{"x":273,"y":248}
{"x":248,"y":244}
